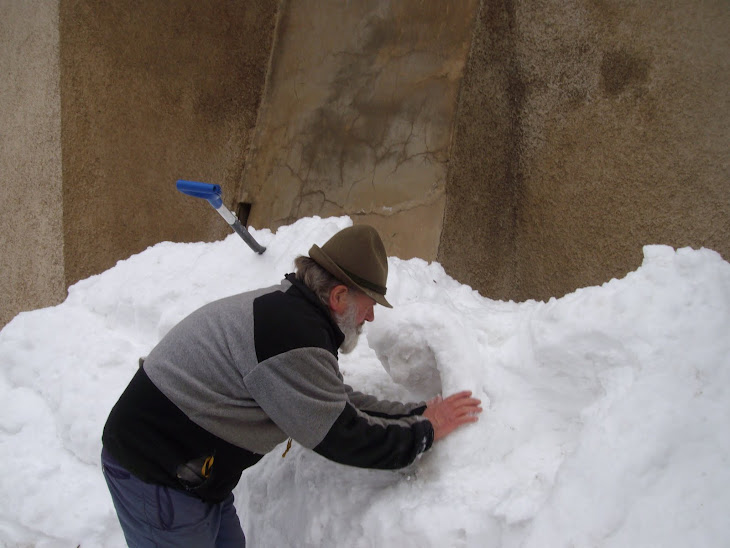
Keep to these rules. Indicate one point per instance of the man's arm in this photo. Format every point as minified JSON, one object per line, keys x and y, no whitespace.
{"x":302,"y":393}
{"x":359,"y":439}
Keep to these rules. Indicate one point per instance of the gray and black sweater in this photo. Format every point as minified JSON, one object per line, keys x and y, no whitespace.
{"x":241,"y":375}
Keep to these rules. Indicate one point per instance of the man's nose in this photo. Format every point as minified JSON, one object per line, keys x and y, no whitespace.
{"x":370,"y":316}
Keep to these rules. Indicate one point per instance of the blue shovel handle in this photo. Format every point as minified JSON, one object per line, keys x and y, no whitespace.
{"x":207,"y":191}
{"x":212,"y":193}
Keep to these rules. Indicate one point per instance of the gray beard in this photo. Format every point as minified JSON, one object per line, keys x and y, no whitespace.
{"x":347,"y":323}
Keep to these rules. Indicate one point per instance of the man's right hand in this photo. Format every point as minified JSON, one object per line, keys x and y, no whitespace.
{"x":446,"y":415}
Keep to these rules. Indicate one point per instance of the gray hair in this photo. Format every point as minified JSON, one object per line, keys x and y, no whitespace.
{"x":316,"y":278}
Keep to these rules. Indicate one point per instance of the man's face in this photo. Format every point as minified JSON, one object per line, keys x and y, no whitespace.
{"x":365,"y":306}
{"x":358,"y":310}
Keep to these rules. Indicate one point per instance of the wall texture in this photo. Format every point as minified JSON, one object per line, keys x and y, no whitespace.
{"x":358,"y":117}
{"x":31,"y":239}
{"x":530,"y":146}
{"x":586,"y":130}
{"x":152,"y":92}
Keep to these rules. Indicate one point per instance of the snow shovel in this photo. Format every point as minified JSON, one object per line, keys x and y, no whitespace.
{"x":212,"y":193}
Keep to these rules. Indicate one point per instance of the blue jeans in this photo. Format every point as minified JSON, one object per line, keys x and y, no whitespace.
{"x":158,"y":516}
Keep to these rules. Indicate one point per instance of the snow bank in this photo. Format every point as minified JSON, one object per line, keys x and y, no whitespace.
{"x":605,"y":423}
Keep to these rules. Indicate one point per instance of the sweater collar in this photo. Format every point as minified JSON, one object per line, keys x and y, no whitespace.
{"x":298,"y":287}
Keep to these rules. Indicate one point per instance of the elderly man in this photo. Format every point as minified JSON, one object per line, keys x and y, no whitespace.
{"x":241,"y":375}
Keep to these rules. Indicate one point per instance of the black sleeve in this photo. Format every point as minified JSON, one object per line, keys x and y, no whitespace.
{"x":413,"y":413}
{"x":358,"y":440}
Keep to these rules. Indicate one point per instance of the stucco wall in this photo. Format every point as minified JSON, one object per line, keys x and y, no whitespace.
{"x":358,"y":116}
{"x":586,"y":130}
{"x":153,"y":92}
{"x":530,"y":147}
{"x":31,"y":244}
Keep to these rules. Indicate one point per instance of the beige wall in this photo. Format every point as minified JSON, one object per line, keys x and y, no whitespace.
{"x":358,"y":115}
{"x":31,"y":239}
{"x":103,"y":106}
{"x":153,"y":92}
{"x":530,"y":147}
{"x":586,"y":130}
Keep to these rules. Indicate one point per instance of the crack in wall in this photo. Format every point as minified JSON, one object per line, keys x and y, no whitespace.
{"x":360,"y":119}
{"x":360,"y":130}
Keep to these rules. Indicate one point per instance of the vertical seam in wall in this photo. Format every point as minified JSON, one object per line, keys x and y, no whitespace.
{"x":516,"y":91}
{"x":62,"y":237}
{"x":457,"y":111}
{"x":263,"y":103}
{"x":60,"y":6}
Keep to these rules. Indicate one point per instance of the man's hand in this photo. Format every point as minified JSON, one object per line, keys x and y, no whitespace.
{"x":446,"y":415}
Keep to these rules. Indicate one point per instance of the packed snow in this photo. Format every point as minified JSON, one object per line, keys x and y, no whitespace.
{"x":606,"y":416}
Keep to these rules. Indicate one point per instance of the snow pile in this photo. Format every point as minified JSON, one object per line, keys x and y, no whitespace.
{"x":605,"y":423}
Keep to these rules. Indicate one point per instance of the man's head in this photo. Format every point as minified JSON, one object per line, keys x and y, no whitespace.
{"x":349,"y":276}
{"x":356,"y":256}
{"x":351,"y":308}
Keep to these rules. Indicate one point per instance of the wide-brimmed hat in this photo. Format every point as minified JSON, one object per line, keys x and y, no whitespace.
{"x":356,"y":256}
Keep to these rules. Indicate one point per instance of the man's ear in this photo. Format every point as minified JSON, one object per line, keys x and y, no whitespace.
{"x":338,"y":299}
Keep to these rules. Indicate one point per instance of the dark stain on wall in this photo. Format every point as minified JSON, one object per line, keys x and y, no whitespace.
{"x":585,"y":131}
{"x":485,"y":179}
{"x":620,"y":70}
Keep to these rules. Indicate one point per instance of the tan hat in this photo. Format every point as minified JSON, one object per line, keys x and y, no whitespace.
{"x":356,"y":256}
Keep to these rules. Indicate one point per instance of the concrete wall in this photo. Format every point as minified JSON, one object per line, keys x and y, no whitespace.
{"x":31,"y":239}
{"x":586,"y":130}
{"x":152,"y":92}
{"x":532,"y":147}
{"x":358,"y":117}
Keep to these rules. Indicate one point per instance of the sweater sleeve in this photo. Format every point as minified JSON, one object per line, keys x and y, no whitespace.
{"x":302,"y":392}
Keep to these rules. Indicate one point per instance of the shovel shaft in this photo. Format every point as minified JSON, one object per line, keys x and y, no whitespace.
{"x":212,"y":193}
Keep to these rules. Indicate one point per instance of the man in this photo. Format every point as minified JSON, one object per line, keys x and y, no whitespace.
{"x":241,"y":375}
